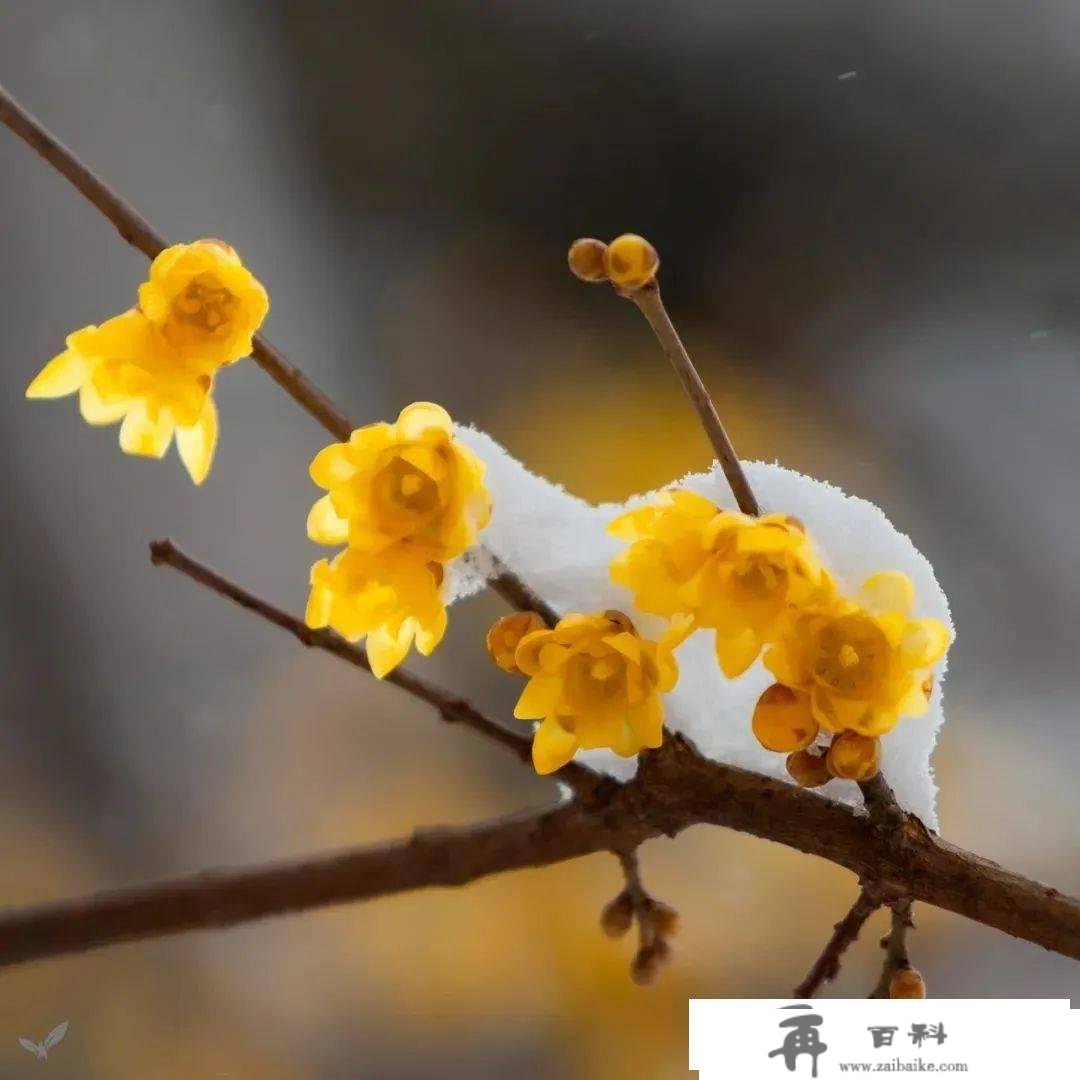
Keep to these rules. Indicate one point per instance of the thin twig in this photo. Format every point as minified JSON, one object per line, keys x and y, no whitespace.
{"x":895,"y":946}
{"x":451,"y":709}
{"x":649,"y":303}
{"x":518,"y":595}
{"x":672,"y":795}
{"x":845,"y":933}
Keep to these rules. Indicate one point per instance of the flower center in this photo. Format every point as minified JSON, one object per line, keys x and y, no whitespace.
{"x":596,"y":682}
{"x":204,"y":309}
{"x":850,"y":656}
{"x":406,"y":494}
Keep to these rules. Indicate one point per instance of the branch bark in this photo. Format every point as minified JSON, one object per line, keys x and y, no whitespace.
{"x":845,"y":933}
{"x":674,"y":789}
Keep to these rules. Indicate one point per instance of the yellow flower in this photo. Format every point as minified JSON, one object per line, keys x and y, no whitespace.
{"x":153,"y":368}
{"x":734,"y":574}
{"x":392,"y":599}
{"x":860,"y":666}
{"x":204,"y":301}
{"x":409,"y":483}
{"x":594,"y":682}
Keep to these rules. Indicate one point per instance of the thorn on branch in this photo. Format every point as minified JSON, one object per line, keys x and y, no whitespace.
{"x":656,"y":922}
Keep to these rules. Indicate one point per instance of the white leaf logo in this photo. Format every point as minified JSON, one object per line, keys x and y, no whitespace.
{"x":41,"y":1050}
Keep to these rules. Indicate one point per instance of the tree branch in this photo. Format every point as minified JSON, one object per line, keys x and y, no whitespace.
{"x":452,"y":709}
{"x":895,"y":946}
{"x":674,"y":789}
{"x":845,"y":933}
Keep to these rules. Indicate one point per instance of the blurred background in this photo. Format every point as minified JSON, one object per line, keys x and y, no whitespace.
{"x":869,"y":217}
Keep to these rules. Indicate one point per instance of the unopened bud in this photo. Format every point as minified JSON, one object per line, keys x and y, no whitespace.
{"x":907,"y":983}
{"x":663,"y":918}
{"x":618,"y":916}
{"x":503,"y":638}
{"x":649,"y":961}
{"x":808,"y":769}
{"x":631,"y":261}
{"x":586,"y":259}
{"x":854,"y":757}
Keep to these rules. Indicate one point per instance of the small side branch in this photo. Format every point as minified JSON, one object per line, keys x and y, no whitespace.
{"x":895,"y":946}
{"x":648,"y":301}
{"x":655,"y":920}
{"x":451,"y":709}
{"x":827,"y":966}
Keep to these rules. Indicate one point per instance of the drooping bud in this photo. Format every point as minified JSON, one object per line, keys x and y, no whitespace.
{"x":907,"y":983}
{"x":631,"y":261}
{"x":503,"y":638}
{"x":618,"y":916}
{"x":782,"y":720}
{"x":663,"y":918}
{"x":808,"y":769}
{"x":587,"y":259}
{"x":854,"y":757}
{"x":649,"y":961}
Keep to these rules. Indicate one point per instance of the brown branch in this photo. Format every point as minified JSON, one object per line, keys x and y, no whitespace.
{"x":845,"y":933}
{"x":518,"y":595}
{"x":649,"y":303}
{"x":674,"y":789}
{"x":895,"y":946}
{"x":452,"y":709}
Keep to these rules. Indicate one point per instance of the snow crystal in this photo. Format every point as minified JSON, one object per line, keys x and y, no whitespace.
{"x":558,"y":544}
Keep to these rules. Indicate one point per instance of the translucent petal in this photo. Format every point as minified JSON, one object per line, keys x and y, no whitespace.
{"x":386,"y":649}
{"x":924,"y":643}
{"x":196,"y":444}
{"x":331,"y":466}
{"x":553,"y":746}
{"x":62,"y":375}
{"x":97,"y":411}
{"x":539,"y":698}
{"x":429,"y":634}
{"x":736,"y":653}
{"x":423,"y":418}
{"x":629,"y":645}
{"x":887,"y":592}
{"x":320,"y":601}
{"x":323,"y":524}
{"x":146,"y":436}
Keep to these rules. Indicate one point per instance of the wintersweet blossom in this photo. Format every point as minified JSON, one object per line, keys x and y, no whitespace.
{"x":392,"y":599}
{"x":595,"y":682}
{"x":153,"y":367}
{"x":735,"y":574}
{"x":505,"y":635}
{"x":410,"y":483}
{"x":859,"y":665}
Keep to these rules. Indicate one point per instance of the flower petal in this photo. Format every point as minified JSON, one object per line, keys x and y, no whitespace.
{"x":95,"y":410}
{"x":386,"y":650}
{"x":196,"y":444}
{"x":324,"y":526}
{"x":553,"y":746}
{"x":539,"y":698}
{"x":331,"y":466}
{"x":62,"y":375}
{"x":924,"y":643}
{"x":736,"y":653}
{"x":146,"y":436}
{"x":887,"y":592}
{"x":423,"y":418}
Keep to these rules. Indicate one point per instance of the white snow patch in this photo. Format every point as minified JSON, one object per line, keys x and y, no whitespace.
{"x":558,"y":544}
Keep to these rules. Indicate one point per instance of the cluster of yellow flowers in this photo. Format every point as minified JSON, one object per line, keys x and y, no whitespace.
{"x":849,"y":668}
{"x":153,"y":367}
{"x":593,"y":682}
{"x":405,"y":498}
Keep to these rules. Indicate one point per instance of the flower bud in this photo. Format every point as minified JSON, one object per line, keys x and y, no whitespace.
{"x":854,"y":757}
{"x":631,"y":261}
{"x":586,"y":259}
{"x":618,"y":916}
{"x":646,"y":965}
{"x":503,"y":638}
{"x":907,"y":983}
{"x":808,"y":769}
{"x":663,"y":918}
{"x":782,"y":720}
